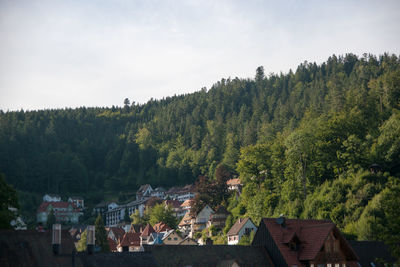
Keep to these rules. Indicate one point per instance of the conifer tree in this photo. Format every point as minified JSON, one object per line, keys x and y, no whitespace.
{"x":101,"y":234}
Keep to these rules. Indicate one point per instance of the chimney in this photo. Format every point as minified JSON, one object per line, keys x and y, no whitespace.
{"x":240,"y":220}
{"x":90,"y":241}
{"x":56,"y":239}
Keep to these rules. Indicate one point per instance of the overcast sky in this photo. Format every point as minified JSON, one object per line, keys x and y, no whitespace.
{"x":56,"y":54}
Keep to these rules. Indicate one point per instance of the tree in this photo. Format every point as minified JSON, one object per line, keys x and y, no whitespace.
{"x":163,"y":213}
{"x":126,"y":216}
{"x":51,"y":219}
{"x":260,"y":74}
{"x":8,"y":198}
{"x":82,"y":242}
{"x":101,"y":234}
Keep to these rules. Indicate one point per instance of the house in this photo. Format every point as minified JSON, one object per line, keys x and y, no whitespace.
{"x":78,"y":201}
{"x":175,"y":205}
{"x":115,"y":233}
{"x":156,"y":238}
{"x":181,"y":193}
{"x":185,"y":225}
{"x":188,"y":242}
{"x":137,"y":228}
{"x":200,"y":221}
{"x":218,"y":218}
{"x":234,"y":185}
{"x":172,"y":238}
{"x":161,"y":227}
{"x":243,"y":226}
{"x":63,"y":211}
{"x":100,"y":208}
{"x":144,"y":237}
{"x":301,"y":243}
{"x":112,"y":245}
{"x":129,"y":242}
{"x":185,"y":207}
{"x":372,"y":253}
{"x":158,"y":192}
{"x":51,"y":198}
{"x":143,"y":192}
{"x":114,"y":214}
{"x":17,"y":223}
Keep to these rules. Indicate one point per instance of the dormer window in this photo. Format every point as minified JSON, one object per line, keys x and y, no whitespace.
{"x":293,"y":246}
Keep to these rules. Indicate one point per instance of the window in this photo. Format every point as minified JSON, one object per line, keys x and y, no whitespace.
{"x":321,"y":265}
{"x":337,"y":264}
{"x":312,"y":265}
{"x":175,"y":238}
{"x":329,"y":265}
{"x":169,"y":238}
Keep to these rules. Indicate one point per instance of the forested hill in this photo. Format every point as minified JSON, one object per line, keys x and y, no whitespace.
{"x":291,"y":136}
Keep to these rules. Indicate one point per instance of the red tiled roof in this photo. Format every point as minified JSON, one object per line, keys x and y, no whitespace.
{"x":186,"y":220}
{"x":148,"y":230}
{"x":59,"y":205}
{"x":130,"y":239}
{"x":237,"y":226}
{"x":235,"y":181}
{"x":312,"y":235}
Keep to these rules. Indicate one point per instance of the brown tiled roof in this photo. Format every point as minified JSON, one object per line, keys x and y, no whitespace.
{"x":112,"y":244}
{"x":130,"y":239}
{"x":237,"y":226}
{"x":186,"y":219}
{"x":118,"y":232}
{"x":161,"y":227}
{"x":312,"y":235}
{"x":235,"y":181}
{"x":173,"y":203}
{"x":148,"y":230}
{"x":187,"y":203}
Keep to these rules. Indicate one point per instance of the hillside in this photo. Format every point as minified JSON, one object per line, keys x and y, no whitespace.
{"x":302,"y":142}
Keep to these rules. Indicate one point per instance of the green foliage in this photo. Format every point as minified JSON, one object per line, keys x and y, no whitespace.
{"x":301,"y":142}
{"x":246,"y":240}
{"x":8,"y":198}
{"x":137,"y":219}
{"x":82,"y":242}
{"x":51,"y":219}
{"x":101,"y":234}
{"x":163,"y":213}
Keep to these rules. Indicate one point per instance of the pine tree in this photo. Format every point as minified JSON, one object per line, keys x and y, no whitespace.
{"x":101,"y":234}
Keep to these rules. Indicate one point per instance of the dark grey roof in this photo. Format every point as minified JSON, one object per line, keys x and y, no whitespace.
{"x":123,"y":259}
{"x":372,"y":251}
{"x":212,"y":255}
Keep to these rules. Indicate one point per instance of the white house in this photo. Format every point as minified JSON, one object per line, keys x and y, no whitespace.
{"x":51,"y":198}
{"x":241,"y":227}
{"x":144,"y":192}
{"x":158,"y":192}
{"x":78,"y":201}
{"x":200,"y":222}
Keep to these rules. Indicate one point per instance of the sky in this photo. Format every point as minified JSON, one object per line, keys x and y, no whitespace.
{"x":96,"y":53}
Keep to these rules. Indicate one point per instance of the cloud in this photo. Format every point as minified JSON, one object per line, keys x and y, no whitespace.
{"x":95,"y":53}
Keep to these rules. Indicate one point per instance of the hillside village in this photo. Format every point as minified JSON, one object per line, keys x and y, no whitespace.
{"x":287,"y":242}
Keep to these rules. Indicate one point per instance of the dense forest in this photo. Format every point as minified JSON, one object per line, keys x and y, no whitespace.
{"x":303,"y":144}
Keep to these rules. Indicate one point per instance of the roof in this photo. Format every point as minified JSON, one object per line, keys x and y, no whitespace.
{"x":147,"y":230}
{"x":112,"y":244}
{"x":221,"y":210}
{"x":238,"y":225}
{"x":176,"y":204}
{"x":130,"y":239}
{"x":187,"y":203}
{"x":136,"y":228}
{"x":370,"y":251}
{"x":235,"y":181}
{"x":208,"y":255}
{"x":161,"y":227}
{"x":32,"y":248}
{"x":186,"y":220}
{"x":169,"y":233}
{"x":117,"y":231}
{"x":143,"y":188}
{"x":312,"y":235}
{"x":60,"y":205}
{"x":143,"y":259}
